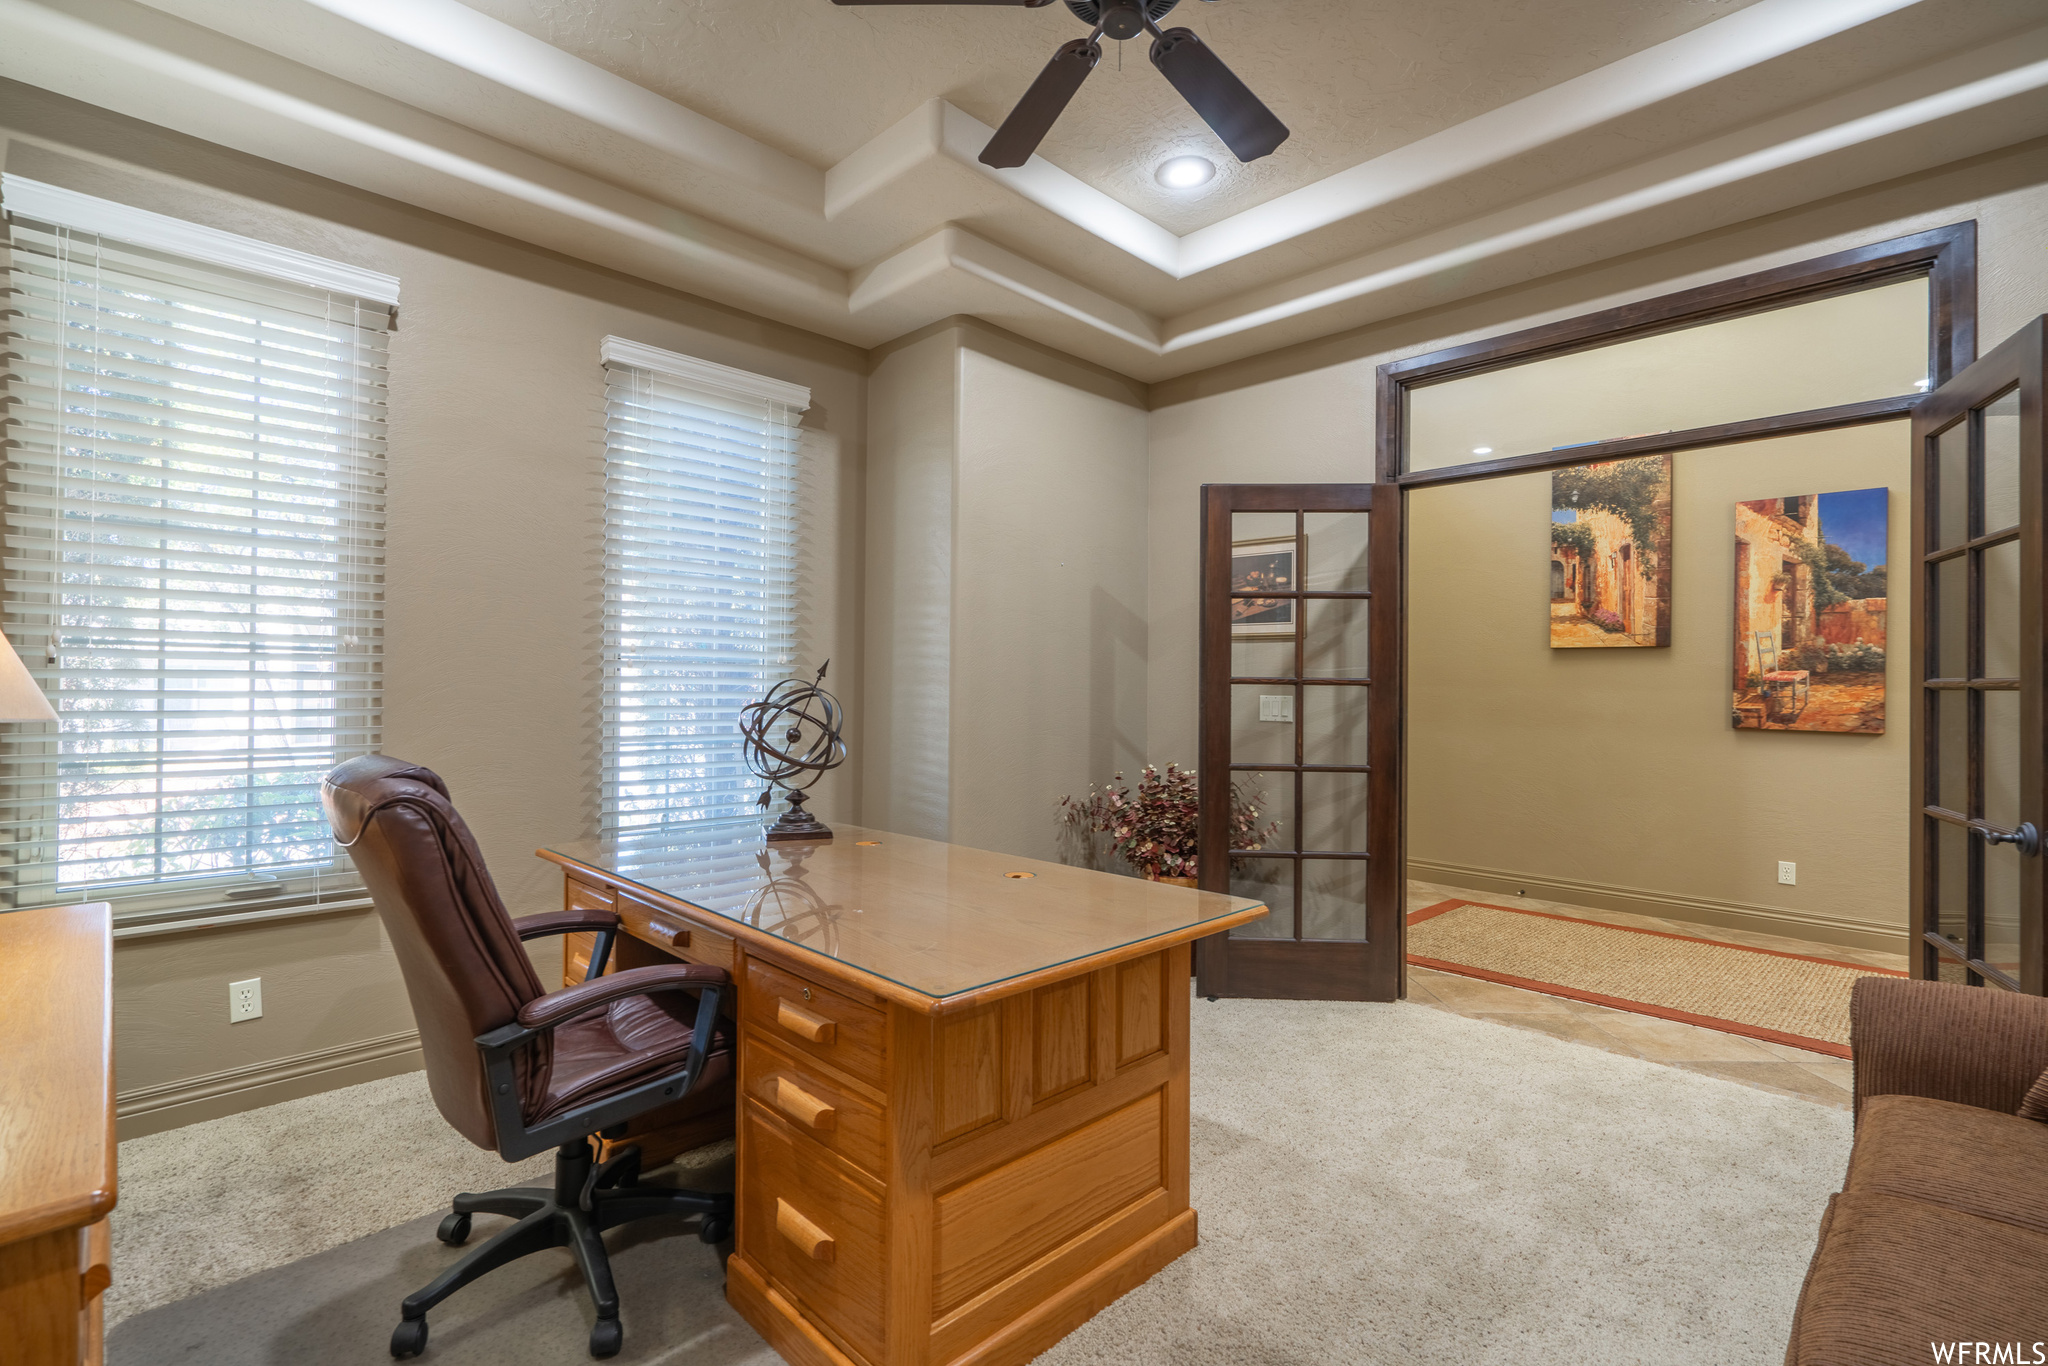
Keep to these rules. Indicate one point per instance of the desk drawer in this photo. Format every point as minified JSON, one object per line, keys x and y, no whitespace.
{"x":812,"y":1228}
{"x":813,"y":1019}
{"x":679,"y":935}
{"x":585,"y":895}
{"x":801,"y":1096}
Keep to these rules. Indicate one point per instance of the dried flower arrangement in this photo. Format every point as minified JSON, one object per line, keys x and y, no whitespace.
{"x":1153,"y":825}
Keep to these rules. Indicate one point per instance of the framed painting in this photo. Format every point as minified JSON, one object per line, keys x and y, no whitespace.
{"x":1810,"y":608}
{"x":1266,"y":563}
{"x":1610,"y":555}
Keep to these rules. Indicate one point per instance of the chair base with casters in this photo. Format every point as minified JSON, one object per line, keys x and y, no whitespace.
{"x":588,"y":1198}
{"x":516,"y":1068}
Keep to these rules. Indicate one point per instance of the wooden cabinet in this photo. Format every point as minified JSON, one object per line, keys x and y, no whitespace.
{"x":983,"y":1181}
{"x":56,"y":1132}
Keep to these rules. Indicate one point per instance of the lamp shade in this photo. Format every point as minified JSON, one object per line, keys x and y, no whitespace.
{"x":20,"y":698}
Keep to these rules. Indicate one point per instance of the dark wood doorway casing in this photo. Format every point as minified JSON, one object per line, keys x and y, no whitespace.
{"x":1296,"y":967}
{"x":1947,"y":256}
{"x":1971,"y":633}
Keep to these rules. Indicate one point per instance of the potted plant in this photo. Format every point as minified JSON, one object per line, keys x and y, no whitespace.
{"x":1152,"y":825}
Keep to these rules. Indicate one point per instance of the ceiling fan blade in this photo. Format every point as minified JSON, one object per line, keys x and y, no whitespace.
{"x":1246,"y":126}
{"x":1042,"y":104}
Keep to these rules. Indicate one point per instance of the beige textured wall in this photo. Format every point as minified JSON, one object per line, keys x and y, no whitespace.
{"x":913,"y":442}
{"x":1618,"y":768}
{"x":494,"y":550}
{"x":1307,"y":414}
{"x":1049,"y":618}
{"x":1006,"y":587}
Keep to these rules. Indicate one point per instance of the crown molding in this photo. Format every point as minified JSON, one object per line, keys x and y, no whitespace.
{"x":84,"y":213}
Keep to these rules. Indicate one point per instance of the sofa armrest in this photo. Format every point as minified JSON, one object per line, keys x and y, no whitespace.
{"x":1979,"y":1046}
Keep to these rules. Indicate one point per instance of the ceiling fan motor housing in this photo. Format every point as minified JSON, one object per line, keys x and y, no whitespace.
{"x":1120,"y":18}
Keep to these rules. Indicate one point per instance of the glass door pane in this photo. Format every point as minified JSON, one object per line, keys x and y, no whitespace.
{"x":1978,"y":876}
{"x":1292,"y":604}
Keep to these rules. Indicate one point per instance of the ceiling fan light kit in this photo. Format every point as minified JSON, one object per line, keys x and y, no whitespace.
{"x":1190,"y":66}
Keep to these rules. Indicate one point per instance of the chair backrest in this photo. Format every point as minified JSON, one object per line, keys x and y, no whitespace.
{"x":1766,"y":652}
{"x":465,"y":969}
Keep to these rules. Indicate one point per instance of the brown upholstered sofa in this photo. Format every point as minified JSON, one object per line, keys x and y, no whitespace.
{"x":1940,"y":1234}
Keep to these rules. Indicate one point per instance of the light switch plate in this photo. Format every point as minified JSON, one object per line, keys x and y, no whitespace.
{"x":1276,"y":706}
{"x":245,"y":1000}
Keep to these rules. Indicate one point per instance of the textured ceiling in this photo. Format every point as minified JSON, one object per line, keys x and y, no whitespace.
{"x":818,"y":165}
{"x":1351,"y":78}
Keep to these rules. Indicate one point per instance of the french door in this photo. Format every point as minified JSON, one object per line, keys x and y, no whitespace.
{"x":1300,"y":745}
{"x":1978,"y":874}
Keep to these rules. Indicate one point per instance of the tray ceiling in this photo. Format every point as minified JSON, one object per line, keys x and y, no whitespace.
{"x":817,"y":164}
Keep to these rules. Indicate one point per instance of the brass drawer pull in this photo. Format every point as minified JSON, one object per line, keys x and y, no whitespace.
{"x":678,"y":938}
{"x":801,"y":1106}
{"x":810,"y":1240}
{"x":803,"y":1024}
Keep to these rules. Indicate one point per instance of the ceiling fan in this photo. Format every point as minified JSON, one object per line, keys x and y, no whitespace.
{"x":1246,"y":126}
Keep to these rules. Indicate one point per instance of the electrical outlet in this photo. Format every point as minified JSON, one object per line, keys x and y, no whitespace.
{"x":245,"y":1000}
{"x":1788,"y":873}
{"x":1276,"y":707}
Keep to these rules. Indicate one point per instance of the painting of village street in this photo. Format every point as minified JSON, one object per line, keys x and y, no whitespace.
{"x":1610,"y":554}
{"x":1810,"y":597}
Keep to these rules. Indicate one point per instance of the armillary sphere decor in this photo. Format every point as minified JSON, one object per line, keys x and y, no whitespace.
{"x":794,"y":730}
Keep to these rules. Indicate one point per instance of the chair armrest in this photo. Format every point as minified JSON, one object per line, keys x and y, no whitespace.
{"x":1978,"y":1046}
{"x":515,"y":1138}
{"x":574,"y":920}
{"x":557,"y":1007}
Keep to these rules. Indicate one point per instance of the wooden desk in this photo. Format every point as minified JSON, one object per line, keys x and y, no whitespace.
{"x":56,"y":1131}
{"x":963,"y":1121}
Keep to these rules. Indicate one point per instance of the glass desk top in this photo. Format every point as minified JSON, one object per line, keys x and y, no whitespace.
{"x":937,"y":919}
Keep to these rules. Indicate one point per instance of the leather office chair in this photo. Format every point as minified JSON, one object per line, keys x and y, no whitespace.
{"x":517,"y":1068}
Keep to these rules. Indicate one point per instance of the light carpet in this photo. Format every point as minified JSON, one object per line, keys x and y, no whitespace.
{"x":1377,"y":1183}
{"x":1786,"y":998}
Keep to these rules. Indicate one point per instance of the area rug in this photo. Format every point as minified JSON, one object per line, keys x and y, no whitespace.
{"x":1786,"y":998}
{"x":1377,"y":1183}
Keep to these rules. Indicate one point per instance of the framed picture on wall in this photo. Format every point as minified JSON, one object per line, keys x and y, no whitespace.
{"x":1811,"y":600}
{"x":1266,"y":563}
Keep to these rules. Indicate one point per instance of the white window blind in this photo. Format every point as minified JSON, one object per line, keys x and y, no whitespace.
{"x":194,"y":523}
{"x":699,"y":620}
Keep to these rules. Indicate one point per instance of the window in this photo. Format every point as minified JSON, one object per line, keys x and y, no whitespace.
{"x":194,"y":520}
{"x":699,"y":620}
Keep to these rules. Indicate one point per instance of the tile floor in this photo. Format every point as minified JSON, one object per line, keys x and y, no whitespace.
{"x":1767,"y":1066}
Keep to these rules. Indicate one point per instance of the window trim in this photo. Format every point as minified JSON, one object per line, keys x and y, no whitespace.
{"x":713,"y":382}
{"x":201,"y":901}
{"x":1947,"y":256}
{"x":160,"y":232}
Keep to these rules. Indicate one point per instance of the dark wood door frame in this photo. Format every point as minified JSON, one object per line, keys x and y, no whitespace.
{"x":1368,"y":969}
{"x":1946,"y":256}
{"x":2019,"y":362}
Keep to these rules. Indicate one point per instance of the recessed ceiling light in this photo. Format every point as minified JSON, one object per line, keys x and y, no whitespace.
{"x":1184,"y":173}
{"x":1482,"y":450}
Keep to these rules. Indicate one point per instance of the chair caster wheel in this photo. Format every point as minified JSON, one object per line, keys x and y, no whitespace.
{"x":715,"y":1229}
{"x":606,"y":1337}
{"x":1212,"y":998}
{"x":454,"y":1231}
{"x":409,"y":1338}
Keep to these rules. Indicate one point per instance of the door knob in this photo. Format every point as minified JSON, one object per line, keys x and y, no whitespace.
{"x":2027,"y":837}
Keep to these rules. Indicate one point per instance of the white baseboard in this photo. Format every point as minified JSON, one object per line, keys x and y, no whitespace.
{"x":174,"y":1104}
{"x":1734,"y":915}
